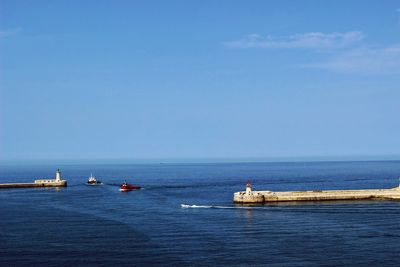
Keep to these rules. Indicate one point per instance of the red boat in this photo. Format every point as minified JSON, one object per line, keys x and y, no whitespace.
{"x":128,"y":187}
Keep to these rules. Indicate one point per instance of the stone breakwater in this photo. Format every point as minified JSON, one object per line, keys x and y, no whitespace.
{"x":57,"y":182}
{"x":250,"y":196}
{"x":27,"y":185}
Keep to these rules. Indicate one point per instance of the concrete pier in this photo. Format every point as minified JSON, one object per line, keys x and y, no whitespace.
{"x":57,"y":182}
{"x":25,"y":185}
{"x":250,"y":196}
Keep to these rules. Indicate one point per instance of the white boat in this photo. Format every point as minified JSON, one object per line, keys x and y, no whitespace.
{"x":93,"y":181}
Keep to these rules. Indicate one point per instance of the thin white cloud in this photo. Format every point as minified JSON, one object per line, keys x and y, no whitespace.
{"x":311,"y":40}
{"x":364,"y":61}
{"x":8,"y":32}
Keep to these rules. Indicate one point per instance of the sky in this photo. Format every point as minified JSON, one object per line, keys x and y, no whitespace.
{"x":199,"y":79}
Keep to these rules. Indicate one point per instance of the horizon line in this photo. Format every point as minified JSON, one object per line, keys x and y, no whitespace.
{"x":187,"y":160}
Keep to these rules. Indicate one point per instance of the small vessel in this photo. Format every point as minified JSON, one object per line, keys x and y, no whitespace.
{"x":128,"y":187}
{"x":93,"y":181}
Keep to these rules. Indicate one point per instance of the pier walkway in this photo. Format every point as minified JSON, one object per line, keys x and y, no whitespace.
{"x":250,"y":196}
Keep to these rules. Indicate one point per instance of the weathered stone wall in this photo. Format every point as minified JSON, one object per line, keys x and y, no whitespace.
{"x":242,"y":197}
{"x":318,"y":195}
{"x":62,"y":183}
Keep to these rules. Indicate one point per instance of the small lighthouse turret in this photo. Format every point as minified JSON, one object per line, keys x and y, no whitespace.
{"x":248,"y":196}
{"x":248,"y":188}
{"x":56,"y":182}
{"x":58,"y":175}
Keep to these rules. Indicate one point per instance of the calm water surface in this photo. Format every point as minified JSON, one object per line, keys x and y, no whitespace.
{"x":99,"y":226}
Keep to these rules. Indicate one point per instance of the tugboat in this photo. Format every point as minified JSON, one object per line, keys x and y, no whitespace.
{"x":93,"y":181}
{"x":128,"y":187}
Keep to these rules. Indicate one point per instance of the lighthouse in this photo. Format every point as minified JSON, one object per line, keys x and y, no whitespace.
{"x":248,"y":196}
{"x":249,"y":192}
{"x":52,"y":182}
{"x":58,"y":175}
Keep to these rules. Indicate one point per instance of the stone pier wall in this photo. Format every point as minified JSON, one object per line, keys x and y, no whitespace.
{"x":317,"y":195}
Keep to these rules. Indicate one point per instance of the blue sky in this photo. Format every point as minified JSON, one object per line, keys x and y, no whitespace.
{"x":199,"y":79}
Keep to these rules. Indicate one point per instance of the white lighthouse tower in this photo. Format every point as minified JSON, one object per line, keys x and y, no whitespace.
{"x":249,"y":192}
{"x":52,"y":182}
{"x":248,"y":196}
{"x":58,"y":175}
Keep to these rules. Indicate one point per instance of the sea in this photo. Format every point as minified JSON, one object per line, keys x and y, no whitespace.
{"x":83,"y":225}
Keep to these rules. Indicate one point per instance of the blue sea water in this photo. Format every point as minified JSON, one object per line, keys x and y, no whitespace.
{"x":84,"y":225}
